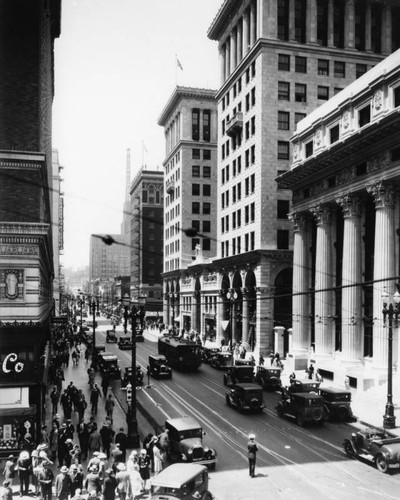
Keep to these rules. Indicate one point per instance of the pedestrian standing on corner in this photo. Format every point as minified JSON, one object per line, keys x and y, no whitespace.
{"x":109,"y":407}
{"x":310,"y":371}
{"x":6,"y":492}
{"x":94,"y":398}
{"x":55,"y":398}
{"x":63,"y":484}
{"x":46,"y":478}
{"x":24,"y":466}
{"x":252,"y":454}
{"x":9,"y":469}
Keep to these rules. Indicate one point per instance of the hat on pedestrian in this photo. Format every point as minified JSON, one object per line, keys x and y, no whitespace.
{"x":121,"y":466}
{"x":69,"y":420}
{"x":143,"y":452}
{"x":102,"y":456}
{"x":109,"y":471}
{"x":44,"y":426}
{"x":42,"y":446}
{"x":69,"y":440}
{"x":42,"y":454}
{"x":252,"y":436}
{"x":64,"y":425}
{"x":35,"y":453}
{"x":64,"y":469}
{"x":11,"y":456}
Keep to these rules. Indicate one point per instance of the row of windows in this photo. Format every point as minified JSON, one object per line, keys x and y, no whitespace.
{"x":196,"y":124}
{"x":249,"y":244}
{"x":152,"y":196}
{"x":237,"y":86}
{"x":205,"y":243}
{"x":171,"y":231}
{"x":196,"y":171}
{"x":236,"y":169}
{"x":323,"y":66}
{"x":196,"y":154}
{"x":206,"y":226}
{"x":249,"y":217}
{"x":172,"y":264}
{"x":196,"y":190}
{"x":172,"y":213}
{"x":173,"y":162}
{"x":196,"y":206}
{"x":300,"y":92}
{"x":284,"y":119}
{"x":249,"y":154}
{"x":249,"y":188}
{"x":172,"y":247}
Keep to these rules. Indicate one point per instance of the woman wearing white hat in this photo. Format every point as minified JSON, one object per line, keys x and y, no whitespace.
{"x":123,"y":480}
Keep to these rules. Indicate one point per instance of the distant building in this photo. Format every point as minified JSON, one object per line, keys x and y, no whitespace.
{"x":147,"y":200}
{"x":190,"y":126}
{"x":345,"y":179}
{"x":57,"y":202}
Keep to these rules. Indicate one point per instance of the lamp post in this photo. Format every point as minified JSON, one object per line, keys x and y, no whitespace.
{"x":81,"y":301}
{"x":173,"y":296}
{"x":125,"y":303}
{"x":390,"y":311}
{"x":232,"y":296}
{"x":93,"y":307}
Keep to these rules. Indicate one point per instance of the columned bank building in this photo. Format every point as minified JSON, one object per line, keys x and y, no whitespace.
{"x":345,"y":179}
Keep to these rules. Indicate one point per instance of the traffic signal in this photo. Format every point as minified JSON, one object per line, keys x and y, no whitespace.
{"x":129,"y":393}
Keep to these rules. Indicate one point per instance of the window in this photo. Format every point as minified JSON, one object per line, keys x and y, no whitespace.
{"x":283,"y":62}
{"x":253,"y":154}
{"x":253,"y":125}
{"x":239,"y":164}
{"x":247,"y":158}
{"x":247,"y":130}
{"x":283,"y":150}
{"x":364,"y":116}
{"x":334,"y":134}
{"x":246,"y":242}
{"x":195,"y":207}
{"x":283,"y":120}
{"x":396,"y":96}
{"x":300,"y":92}
{"x":206,"y":226}
{"x":309,"y":149}
{"x":282,"y":209}
{"x":300,"y":9}
{"x":298,"y":117}
{"x":252,"y":212}
{"x":323,"y":67}
{"x":360,"y":70}
{"x":196,"y":225}
{"x":301,"y":64}
{"x":234,"y":220}
{"x":206,"y":154}
{"x":323,"y":93}
{"x":283,"y":20}
{"x":252,"y":240}
{"x":339,"y":69}
{"x":253,"y":69}
{"x":247,"y":102}
{"x":253,"y":96}
{"x":195,"y":242}
{"x":253,"y":183}
{"x":206,"y":172}
{"x":234,"y":194}
{"x":283,"y":91}
{"x":206,"y":244}
{"x":247,"y":186}
{"x":247,"y":75}
{"x":239,"y":217}
{"x":195,"y":189}
{"x":282,"y":239}
{"x":206,"y":189}
{"x":196,"y":154}
{"x":195,"y":124}
{"x":144,"y":195}
{"x":206,"y":208}
{"x":195,"y":170}
{"x":223,"y":224}
{"x":336,"y":90}
{"x":246,"y":214}
{"x":206,"y":125}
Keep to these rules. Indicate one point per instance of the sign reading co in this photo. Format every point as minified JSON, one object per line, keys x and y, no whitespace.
{"x":10,"y":363}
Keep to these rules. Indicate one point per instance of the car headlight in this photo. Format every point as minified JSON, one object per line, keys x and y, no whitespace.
{"x":206,"y":449}
{"x":190,"y":452}
{"x":184,"y":457}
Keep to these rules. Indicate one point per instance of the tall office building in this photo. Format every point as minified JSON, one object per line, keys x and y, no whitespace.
{"x":190,"y":127}
{"x":280,"y":59}
{"x":28,"y":28}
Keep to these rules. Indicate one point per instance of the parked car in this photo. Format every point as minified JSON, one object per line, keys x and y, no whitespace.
{"x":374,"y":445}
{"x":182,"y":481}
{"x":108,"y":365}
{"x":338,"y":403}
{"x":111,"y":336}
{"x":139,"y":336}
{"x":237,"y":374}
{"x":221,"y":360}
{"x":158,"y":366}
{"x":99,"y":348}
{"x":268,"y":377}
{"x":245,"y":397}
{"x":207,"y":353}
{"x":125,"y":343}
{"x":186,"y":442}
{"x":126,"y":378}
{"x":306,"y":385}
{"x":303,"y":407}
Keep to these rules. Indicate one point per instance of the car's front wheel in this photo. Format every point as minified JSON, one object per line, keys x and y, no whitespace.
{"x":348,"y":449}
{"x":300,"y":419}
{"x":279,"y":410}
{"x":381,"y":463}
{"x":228,"y":401}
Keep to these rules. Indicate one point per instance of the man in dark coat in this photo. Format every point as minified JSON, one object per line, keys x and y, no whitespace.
{"x":63,"y":484}
{"x":94,"y":398}
{"x":46,"y":478}
{"x":107,"y":435}
{"x":109,"y":485}
{"x":55,"y":398}
{"x":251,"y":454}
{"x":122,"y":439}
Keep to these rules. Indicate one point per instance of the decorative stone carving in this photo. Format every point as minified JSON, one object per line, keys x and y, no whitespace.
{"x":378,"y":162}
{"x":383,"y":194}
{"x":346,"y":120}
{"x":378,"y":100}
{"x":350,"y":205}
{"x":322,"y":214}
{"x":318,"y":138}
{"x":12,"y":284}
{"x":345,"y":176}
{"x":298,"y":220}
{"x":296,"y":152}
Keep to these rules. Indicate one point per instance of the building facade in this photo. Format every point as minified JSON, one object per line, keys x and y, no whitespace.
{"x":27,"y":214}
{"x":190,"y":209}
{"x":147,"y":201}
{"x":57,"y":207}
{"x":108,"y":261}
{"x":345,"y":180}
{"x":280,"y":60}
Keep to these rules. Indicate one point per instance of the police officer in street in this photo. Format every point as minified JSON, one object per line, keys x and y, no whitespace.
{"x":251,"y":454}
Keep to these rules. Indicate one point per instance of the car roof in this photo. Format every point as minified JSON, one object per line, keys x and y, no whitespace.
{"x":183,"y":423}
{"x":248,"y":385}
{"x":158,"y":356}
{"x":307,"y":395}
{"x":176,"y":475}
{"x":108,"y":356}
{"x":334,"y":390}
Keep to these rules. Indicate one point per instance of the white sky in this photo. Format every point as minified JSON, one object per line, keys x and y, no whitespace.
{"x":114,"y":72}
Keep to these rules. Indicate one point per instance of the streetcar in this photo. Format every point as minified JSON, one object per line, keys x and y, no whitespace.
{"x":184,"y":355}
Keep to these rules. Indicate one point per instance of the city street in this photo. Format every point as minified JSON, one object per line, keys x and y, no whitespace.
{"x":292,"y":462}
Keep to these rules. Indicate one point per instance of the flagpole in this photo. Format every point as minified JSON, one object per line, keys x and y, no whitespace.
{"x":176,"y":70}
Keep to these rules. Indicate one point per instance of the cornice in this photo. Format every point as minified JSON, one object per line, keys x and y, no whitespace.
{"x":23,"y":228}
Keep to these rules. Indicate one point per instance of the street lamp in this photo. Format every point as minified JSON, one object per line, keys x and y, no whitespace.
{"x":81,"y":301}
{"x":391,"y":311}
{"x":125,"y":303}
{"x":173,"y":296}
{"x":93,"y":308}
{"x":232,"y":296}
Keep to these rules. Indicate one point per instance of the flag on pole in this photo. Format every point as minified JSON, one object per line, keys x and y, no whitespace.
{"x":178,"y":63}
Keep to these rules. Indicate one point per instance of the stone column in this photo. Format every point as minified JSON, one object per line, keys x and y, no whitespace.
{"x":245,"y":35}
{"x":245,"y":318}
{"x":227,"y":58}
{"x":222,"y":64}
{"x":219,"y":334}
{"x":239,"y":42}
{"x":386,"y":30}
{"x":324,"y":296}
{"x":352,"y":327}
{"x":384,"y":265}
{"x":368,"y":27}
{"x":311,"y":27}
{"x":233,"y":51}
{"x":301,"y":329}
{"x":349,"y":25}
{"x":292,"y":31}
{"x":252,"y":24}
{"x":330,"y":24}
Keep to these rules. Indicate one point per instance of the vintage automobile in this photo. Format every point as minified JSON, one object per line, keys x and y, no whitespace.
{"x":338,"y":403}
{"x":244,"y":362}
{"x":221,"y":360}
{"x":139,"y":336}
{"x":268,"y":377}
{"x":108,"y":365}
{"x":238,"y":373}
{"x":374,"y":445}
{"x":111,"y":337}
{"x":306,"y":385}
{"x":97,"y":350}
{"x":125,"y":343}
{"x":158,"y":367}
{"x":245,"y":397}
{"x":207,"y":353}
{"x":126,"y":378}
{"x":303,"y":407}
{"x":182,"y":481}
{"x":186,"y":442}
